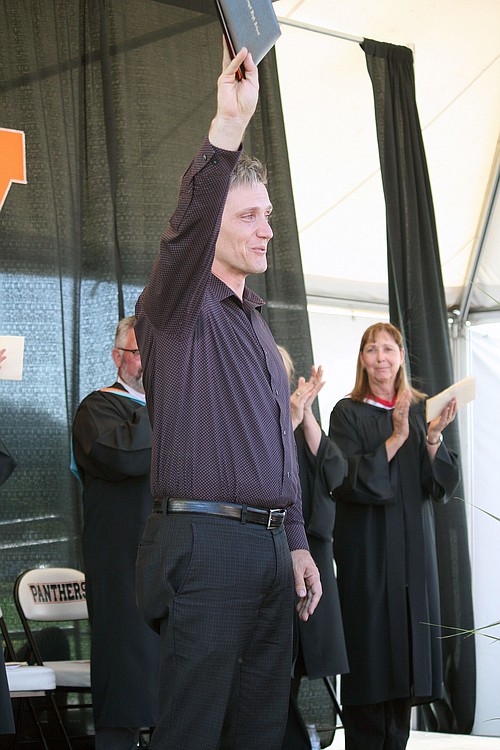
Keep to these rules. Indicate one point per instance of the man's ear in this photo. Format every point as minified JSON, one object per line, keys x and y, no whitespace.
{"x":117,"y":357}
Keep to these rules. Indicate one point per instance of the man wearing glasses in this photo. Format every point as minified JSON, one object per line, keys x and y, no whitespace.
{"x":112,"y":453}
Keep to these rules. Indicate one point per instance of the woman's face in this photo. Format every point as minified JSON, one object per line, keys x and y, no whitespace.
{"x":382,"y":359}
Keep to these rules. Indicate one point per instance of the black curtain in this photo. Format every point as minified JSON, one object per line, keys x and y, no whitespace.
{"x":418,"y":309}
{"x":114,"y":98}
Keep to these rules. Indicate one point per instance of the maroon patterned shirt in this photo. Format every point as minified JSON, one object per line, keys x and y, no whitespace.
{"x":216,"y":389}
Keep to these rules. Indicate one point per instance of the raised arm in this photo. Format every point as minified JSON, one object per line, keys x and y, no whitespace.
{"x":176,"y":287}
{"x":301,"y":402}
{"x":434,"y":436}
{"x":401,"y":425}
{"x":236,"y":101}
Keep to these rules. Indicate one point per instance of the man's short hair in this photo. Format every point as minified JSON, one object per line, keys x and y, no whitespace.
{"x":248,"y":172}
{"x":123,"y":328}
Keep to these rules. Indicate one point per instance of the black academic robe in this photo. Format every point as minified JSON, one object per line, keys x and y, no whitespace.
{"x":322,"y":636}
{"x":384,"y":542}
{"x":6,"y":716}
{"x":112,"y":448}
{"x":7,"y":466}
{"x":7,"y":463}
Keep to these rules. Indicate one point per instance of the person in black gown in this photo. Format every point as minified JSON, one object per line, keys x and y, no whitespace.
{"x":319,"y":642}
{"x":7,"y":466}
{"x":384,"y":543}
{"x":112,"y":451}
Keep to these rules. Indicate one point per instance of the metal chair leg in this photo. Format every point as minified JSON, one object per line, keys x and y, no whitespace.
{"x":333,"y":695}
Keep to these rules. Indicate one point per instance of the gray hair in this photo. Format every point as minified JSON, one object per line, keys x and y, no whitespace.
{"x":248,"y":172}
{"x":123,"y":328}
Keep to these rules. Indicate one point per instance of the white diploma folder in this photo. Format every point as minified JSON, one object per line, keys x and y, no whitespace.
{"x":12,"y":367}
{"x":464,"y":391}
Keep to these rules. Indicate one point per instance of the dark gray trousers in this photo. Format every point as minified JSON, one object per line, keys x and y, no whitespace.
{"x":116,"y":738}
{"x":221,"y":594}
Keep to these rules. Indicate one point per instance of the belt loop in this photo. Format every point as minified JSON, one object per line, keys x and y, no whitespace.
{"x":158,"y":506}
{"x":243,"y":514}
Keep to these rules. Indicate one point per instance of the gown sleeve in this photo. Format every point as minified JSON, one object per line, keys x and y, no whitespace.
{"x":440,"y":478}
{"x":112,"y":441}
{"x":327,"y":470}
{"x":368,"y":478}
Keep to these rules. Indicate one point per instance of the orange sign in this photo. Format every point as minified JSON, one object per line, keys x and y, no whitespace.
{"x":12,"y":160}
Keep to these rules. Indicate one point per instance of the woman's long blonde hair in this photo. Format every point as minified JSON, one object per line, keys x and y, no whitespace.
{"x":288,"y":362}
{"x":361,"y":388}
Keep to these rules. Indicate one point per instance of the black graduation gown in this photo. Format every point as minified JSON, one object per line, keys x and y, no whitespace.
{"x":6,"y":716}
{"x":7,"y":466}
{"x":112,"y":448}
{"x":322,"y":636}
{"x":384,"y":542}
{"x":7,"y":463}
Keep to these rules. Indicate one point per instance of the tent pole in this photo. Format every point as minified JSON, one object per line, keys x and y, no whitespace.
{"x":330,"y":32}
{"x":321,"y":30}
{"x":484,"y":222}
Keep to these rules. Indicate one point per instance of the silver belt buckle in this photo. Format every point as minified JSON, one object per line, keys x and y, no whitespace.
{"x":270,"y":516}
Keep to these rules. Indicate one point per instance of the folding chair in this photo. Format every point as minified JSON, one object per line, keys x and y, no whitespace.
{"x":55,"y":595}
{"x":318,"y":705}
{"x":31,"y":685}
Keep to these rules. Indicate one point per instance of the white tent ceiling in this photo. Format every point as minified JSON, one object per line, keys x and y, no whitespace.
{"x":330,"y":126}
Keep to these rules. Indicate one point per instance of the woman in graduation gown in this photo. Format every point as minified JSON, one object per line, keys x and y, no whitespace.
{"x":384,"y":543}
{"x":320,"y":646}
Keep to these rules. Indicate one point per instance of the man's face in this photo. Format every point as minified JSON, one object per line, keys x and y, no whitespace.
{"x":245,"y":231}
{"x":128,"y":363}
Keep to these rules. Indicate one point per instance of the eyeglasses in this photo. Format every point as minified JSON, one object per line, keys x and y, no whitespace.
{"x":134,"y":352}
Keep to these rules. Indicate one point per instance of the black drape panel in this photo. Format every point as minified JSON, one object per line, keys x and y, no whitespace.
{"x":114,"y":98}
{"x":282,"y":286}
{"x":417,"y":308}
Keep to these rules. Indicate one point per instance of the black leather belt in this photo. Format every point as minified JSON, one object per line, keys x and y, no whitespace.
{"x":271,"y":519}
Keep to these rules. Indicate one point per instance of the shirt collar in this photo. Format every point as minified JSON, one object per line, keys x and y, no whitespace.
{"x":221,"y":291}
{"x":136,"y":394}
